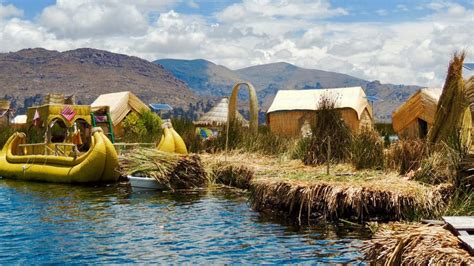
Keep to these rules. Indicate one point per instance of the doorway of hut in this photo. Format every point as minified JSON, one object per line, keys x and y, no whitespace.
{"x":423,"y":128}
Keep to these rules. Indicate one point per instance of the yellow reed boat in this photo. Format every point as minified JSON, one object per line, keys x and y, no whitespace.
{"x":72,"y":151}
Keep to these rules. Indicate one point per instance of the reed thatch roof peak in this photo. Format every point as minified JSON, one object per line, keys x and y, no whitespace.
{"x":217,"y":116}
{"x":421,"y":104}
{"x":119,"y":104}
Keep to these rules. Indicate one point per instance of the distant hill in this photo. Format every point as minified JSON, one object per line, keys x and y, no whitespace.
{"x":206,"y":78}
{"x":28,"y":74}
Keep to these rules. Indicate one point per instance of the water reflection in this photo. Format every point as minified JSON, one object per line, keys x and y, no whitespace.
{"x":109,"y":224}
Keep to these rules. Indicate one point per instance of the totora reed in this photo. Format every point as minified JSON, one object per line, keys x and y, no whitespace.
{"x":290,"y":187}
{"x":415,"y":244}
{"x":168,"y":169}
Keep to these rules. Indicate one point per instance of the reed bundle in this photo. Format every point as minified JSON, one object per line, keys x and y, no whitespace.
{"x":253,"y":106}
{"x":415,"y":244}
{"x":171,"y":170}
{"x":328,"y":127}
{"x":407,"y":155}
{"x":453,"y":116}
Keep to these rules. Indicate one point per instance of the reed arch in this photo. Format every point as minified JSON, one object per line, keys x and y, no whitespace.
{"x":253,"y":106}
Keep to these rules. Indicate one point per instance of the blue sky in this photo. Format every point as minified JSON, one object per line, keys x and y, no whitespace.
{"x":407,"y":42}
{"x":360,"y":10}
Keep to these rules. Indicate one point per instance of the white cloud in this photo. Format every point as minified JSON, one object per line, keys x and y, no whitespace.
{"x":253,"y":32}
{"x":8,"y":11}
{"x":83,"y":18}
{"x":310,"y":9}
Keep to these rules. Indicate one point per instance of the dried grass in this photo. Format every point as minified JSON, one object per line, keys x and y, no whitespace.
{"x":170,"y":170}
{"x":406,"y":155}
{"x":441,"y":166}
{"x":415,"y":244}
{"x":367,"y":150}
{"x":328,"y":127}
{"x":382,"y":199}
{"x":289,"y":186}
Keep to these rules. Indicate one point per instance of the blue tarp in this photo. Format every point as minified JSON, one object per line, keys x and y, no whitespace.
{"x":161,"y":107}
{"x":469,"y":66}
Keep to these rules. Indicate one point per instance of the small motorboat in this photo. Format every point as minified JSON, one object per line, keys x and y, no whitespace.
{"x":144,"y":183}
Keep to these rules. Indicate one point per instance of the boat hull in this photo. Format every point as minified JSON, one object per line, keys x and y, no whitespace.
{"x":99,"y":164}
{"x":144,"y":183}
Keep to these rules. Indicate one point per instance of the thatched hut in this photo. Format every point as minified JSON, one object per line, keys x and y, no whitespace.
{"x":118,"y":105}
{"x":291,"y":109}
{"x":5,"y":113}
{"x":414,"y":118}
{"x":216,"y":118}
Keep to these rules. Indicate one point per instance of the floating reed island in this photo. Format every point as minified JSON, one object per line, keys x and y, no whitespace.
{"x":289,"y":187}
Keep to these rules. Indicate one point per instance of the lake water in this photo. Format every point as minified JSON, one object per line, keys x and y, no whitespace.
{"x":52,"y":223}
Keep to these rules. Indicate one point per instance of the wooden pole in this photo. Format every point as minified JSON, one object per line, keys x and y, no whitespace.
{"x":328,"y":158}
{"x":226,"y":139}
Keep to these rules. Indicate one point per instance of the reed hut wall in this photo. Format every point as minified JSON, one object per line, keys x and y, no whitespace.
{"x":4,"y":119}
{"x":291,"y":109}
{"x":415,"y":117}
{"x":5,"y":113}
{"x":289,"y":123}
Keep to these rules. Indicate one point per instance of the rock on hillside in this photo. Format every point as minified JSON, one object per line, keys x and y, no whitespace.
{"x":27,"y":74}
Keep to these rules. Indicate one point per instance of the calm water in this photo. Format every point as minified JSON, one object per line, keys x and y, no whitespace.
{"x":59,"y":223}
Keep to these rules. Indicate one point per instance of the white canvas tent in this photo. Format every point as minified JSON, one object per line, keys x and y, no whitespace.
{"x":19,"y":120}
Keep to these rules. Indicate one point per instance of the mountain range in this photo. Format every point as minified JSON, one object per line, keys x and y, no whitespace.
{"x":208,"y":79}
{"x":28,"y":74}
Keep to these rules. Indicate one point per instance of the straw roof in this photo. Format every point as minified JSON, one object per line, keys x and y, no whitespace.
{"x":4,"y":104}
{"x":120,"y":104}
{"x":350,"y":97}
{"x":217,"y":116}
{"x":422,"y":104}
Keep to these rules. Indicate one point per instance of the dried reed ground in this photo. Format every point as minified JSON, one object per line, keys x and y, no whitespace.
{"x":415,"y":244}
{"x":281,"y":184}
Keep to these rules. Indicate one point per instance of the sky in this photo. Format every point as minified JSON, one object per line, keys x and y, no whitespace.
{"x":400,"y":42}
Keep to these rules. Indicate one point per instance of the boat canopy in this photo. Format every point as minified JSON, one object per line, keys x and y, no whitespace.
{"x":66,"y":113}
